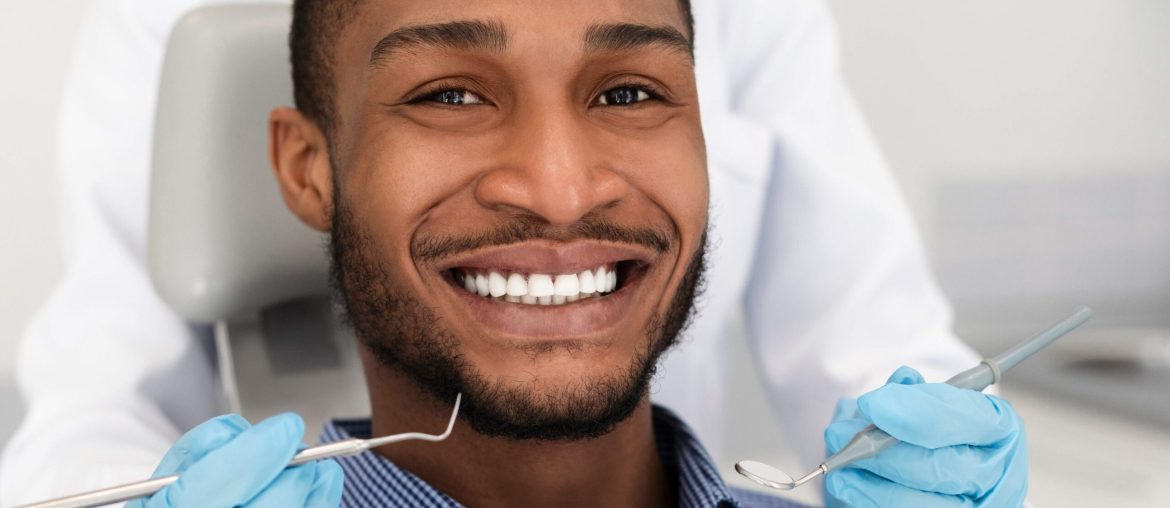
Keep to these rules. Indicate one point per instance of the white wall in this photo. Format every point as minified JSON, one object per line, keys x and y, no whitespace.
{"x":36,"y":38}
{"x":1054,"y":86}
{"x":1033,"y":142}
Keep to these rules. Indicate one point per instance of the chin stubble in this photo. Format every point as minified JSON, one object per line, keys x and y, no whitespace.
{"x":407,"y":336}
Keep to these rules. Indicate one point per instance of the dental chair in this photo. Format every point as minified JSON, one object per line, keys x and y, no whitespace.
{"x":223,"y":249}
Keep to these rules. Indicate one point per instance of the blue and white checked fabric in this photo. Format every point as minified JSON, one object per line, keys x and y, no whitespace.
{"x":372,"y":480}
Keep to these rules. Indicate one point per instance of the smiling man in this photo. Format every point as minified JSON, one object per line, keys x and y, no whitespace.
{"x":516,"y":194}
{"x":511,"y":221}
{"x":516,"y":197}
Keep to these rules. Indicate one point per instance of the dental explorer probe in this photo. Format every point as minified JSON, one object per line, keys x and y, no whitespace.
{"x":872,"y":440}
{"x":343,"y":448}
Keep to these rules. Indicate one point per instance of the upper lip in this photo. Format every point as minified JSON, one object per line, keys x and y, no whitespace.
{"x":548,"y":257}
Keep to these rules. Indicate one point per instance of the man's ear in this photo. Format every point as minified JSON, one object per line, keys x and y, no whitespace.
{"x":300,"y":159}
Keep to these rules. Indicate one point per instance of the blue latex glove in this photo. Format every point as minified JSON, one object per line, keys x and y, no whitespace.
{"x":227,"y":462}
{"x":959,"y":448}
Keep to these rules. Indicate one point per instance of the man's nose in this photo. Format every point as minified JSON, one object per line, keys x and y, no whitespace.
{"x":552,"y":167}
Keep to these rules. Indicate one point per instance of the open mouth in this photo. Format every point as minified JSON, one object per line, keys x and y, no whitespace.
{"x":541,"y":290}
{"x":546,"y":288}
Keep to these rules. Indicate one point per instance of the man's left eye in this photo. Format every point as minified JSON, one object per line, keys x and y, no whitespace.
{"x":623,"y":96}
{"x":451,"y":97}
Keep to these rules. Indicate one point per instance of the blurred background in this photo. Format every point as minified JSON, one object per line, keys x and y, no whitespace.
{"x":31,"y":90}
{"x":1032,"y":140}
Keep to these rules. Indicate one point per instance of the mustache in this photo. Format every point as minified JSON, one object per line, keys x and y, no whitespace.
{"x":520,"y":229}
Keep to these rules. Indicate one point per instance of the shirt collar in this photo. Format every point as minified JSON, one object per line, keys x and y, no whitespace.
{"x":698,"y":480}
{"x":373,"y":480}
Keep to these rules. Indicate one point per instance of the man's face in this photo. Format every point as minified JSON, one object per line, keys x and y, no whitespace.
{"x":532,"y":147}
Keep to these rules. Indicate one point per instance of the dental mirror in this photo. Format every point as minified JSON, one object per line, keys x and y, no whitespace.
{"x":769,"y":476}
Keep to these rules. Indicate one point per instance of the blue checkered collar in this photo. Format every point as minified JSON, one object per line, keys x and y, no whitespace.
{"x":372,"y":480}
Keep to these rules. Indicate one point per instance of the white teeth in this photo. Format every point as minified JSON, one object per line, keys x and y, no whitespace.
{"x":497,"y":286}
{"x":539,"y":288}
{"x":517,"y":286}
{"x":540,"y":285}
{"x":601,"y":280}
{"x":566,"y":285}
{"x":481,"y":285}
{"x":585,"y":282}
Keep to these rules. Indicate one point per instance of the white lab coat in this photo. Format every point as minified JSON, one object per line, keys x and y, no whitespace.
{"x":813,"y":247}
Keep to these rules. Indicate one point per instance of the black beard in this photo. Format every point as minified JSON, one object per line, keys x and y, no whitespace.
{"x":405,"y":335}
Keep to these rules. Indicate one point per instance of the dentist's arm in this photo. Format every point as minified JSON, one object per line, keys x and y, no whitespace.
{"x":110,"y":376}
{"x":841,"y":292}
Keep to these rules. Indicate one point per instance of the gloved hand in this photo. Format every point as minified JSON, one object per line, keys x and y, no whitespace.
{"x":227,"y":462}
{"x":959,"y":448}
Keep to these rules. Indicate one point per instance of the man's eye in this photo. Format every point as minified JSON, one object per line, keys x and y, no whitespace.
{"x":452,"y":97}
{"x":624,"y":96}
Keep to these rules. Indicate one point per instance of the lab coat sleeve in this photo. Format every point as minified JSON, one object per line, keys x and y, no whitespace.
{"x":841,"y":293}
{"x":110,"y":376}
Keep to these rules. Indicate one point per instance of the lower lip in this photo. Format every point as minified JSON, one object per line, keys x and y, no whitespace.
{"x":589,"y":317}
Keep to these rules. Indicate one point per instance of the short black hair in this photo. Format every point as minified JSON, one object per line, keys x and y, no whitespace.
{"x":315,"y":25}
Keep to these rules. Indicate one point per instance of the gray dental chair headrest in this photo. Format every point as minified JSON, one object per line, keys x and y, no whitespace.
{"x":221,"y":242}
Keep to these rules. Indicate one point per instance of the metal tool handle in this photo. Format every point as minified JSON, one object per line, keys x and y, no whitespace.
{"x":136,"y":490}
{"x":872,"y":440}
{"x":342,"y":448}
{"x":108,"y":495}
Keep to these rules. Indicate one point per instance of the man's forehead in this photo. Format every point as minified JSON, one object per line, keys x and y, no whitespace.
{"x":595,"y":25}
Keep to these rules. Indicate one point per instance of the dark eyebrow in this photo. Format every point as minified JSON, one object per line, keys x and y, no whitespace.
{"x":455,"y":34}
{"x":626,"y":36}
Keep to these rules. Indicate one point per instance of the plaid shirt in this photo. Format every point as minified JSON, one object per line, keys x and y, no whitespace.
{"x":372,"y":480}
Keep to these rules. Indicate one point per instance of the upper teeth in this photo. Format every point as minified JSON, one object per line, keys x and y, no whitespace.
{"x":540,"y":288}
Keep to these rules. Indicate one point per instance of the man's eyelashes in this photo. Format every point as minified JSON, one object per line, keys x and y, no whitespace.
{"x":622,"y":95}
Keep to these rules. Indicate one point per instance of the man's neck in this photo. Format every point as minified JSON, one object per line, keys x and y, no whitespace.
{"x":621,"y":468}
